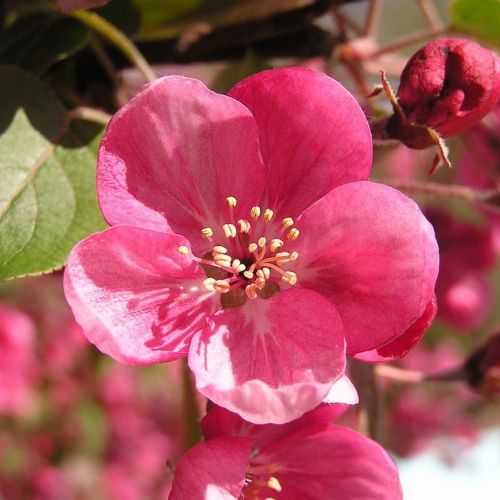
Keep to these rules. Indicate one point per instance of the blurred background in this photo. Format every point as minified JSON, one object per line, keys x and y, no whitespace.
{"x":74,"y":424}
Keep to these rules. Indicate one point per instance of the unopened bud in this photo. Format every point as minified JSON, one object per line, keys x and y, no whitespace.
{"x":449,"y":85}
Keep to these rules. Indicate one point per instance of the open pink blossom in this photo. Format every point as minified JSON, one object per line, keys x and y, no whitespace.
{"x":246,"y":237}
{"x":308,"y":458}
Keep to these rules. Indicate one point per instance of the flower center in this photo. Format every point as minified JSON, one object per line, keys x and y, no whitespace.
{"x":247,"y":258}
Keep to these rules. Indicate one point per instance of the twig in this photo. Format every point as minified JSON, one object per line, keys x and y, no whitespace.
{"x":117,"y":38}
{"x":372,"y":18}
{"x":431,"y":13}
{"x":90,"y":114}
{"x":465,"y":193}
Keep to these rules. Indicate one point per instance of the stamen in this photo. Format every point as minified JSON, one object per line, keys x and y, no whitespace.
{"x":267,"y":272}
{"x":255,"y":212}
{"x":290,"y":277}
{"x":222,"y":286}
{"x":219,"y":249}
{"x":293,"y":234}
{"x":231,"y":201}
{"x":207,"y":232}
{"x":244,"y":226}
{"x":209,"y":284}
{"x":268,"y":214}
{"x":260,"y":283}
{"x":275,"y":244}
{"x":229,"y":230}
{"x":287,"y":222}
{"x":251,"y":291}
{"x":274,"y":484}
{"x":238,"y":266}
{"x":222,"y":260}
{"x":252,"y":247}
{"x":261,"y":242}
{"x":294,"y":255}
{"x":183,"y":250}
{"x":248,"y":275}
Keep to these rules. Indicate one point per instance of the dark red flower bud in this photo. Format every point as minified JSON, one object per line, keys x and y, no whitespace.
{"x":449,"y":85}
{"x":482,"y":369}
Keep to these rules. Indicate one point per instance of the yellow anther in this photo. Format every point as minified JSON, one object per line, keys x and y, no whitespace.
{"x":209,"y":284}
{"x":294,"y":255}
{"x":219,"y":249}
{"x":259,"y":273}
{"x":231,"y":201}
{"x":287,"y":222}
{"x":252,"y":247}
{"x":268,"y":214}
{"x":261,"y":242}
{"x":293,"y":234}
{"x":183,"y":250}
{"x":222,"y":260}
{"x":207,"y":232}
{"x":251,"y":291}
{"x":290,"y":277}
{"x":260,"y":283}
{"x":222,"y":286}
{"x":255,"y":212}
{"x":274,"y":484}
{"x":244,"y":226}
{"x":283,"y":255}
{"x":248,"y":275}
{"x":275,"y":244}
{"x":229,"y":230}
{"x":267,"y":272}
{"x":238,"y":266}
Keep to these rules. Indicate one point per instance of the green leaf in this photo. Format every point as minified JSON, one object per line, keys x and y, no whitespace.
{"x":47,"y":177}
{"x":480,"y":18}
{"x":37,"y":40}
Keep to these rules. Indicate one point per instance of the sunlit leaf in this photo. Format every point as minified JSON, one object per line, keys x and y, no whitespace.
{"x":47,"y":177}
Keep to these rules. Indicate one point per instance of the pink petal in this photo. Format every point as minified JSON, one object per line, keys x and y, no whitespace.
{"x":221,"y":422}
{"x":135,"y":296}
{"x":343,"y":392}
{"x":212,"y":470}
{"x":369,"y":249}
{"x":403,"y":344}
{"x":172,"y":155}
{"x":271,"y":360}
{"x":313,"y":135}
{"x":328,"y":461}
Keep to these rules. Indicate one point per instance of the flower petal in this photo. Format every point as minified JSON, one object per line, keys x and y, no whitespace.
{"x":328,"y":461}
{"x":172,"y":155}
{"x":313,"y":135}
{"x":135,"y":296}
{"x":403,"y":344}
{"x":221,"y":422}
{"x":212,"y":470}
{"x":342,"y":393}
{"x":271,"y":360}
{"x":369,"y":249}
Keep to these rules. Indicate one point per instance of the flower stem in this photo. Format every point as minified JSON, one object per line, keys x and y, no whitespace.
{"x":90,"y":115}
{"x":415,"y":377}
{"x":190,"y":409}
{"x":363,"y":377}
{"x":117,"y":38}
{"x":486,"y":197}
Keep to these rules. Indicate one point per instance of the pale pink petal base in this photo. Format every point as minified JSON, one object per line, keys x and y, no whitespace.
{"x":271,"y":360}
{"x":136,"y":297}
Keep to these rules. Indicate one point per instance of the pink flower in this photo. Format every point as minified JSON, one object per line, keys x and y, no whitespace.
{"x":306,"y":458}
{"x":450,"y":84}
{"x":286,"y":249}
{"x":17,"y":361}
